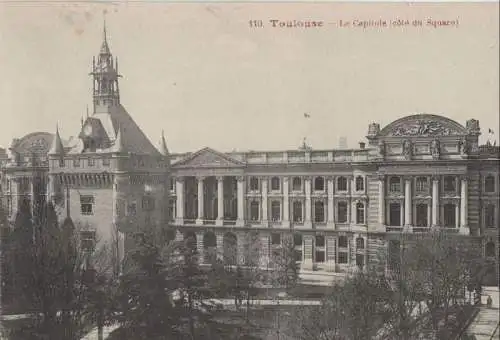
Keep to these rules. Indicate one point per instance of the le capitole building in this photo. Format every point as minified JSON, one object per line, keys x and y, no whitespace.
{"x":339,"y":206}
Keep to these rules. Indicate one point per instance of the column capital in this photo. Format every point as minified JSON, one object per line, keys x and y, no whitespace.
{"x":381,"y":177}
{"x":435,"y":177}
{"x":285,"y":178}
{"x":200,"y":178}
{"x":240,"y":178}
{"x":179,"y":179}
{"x":407,"y":178}
{"x":464,"y":178}
{"x":219,"y":178}
{"x":330,"y":177}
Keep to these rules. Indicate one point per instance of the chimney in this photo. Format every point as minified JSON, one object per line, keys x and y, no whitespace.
{"x":361,"y":145}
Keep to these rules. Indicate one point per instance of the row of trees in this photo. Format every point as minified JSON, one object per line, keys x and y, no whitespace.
{"x":421,"y":296}
{"x":162,"y":293}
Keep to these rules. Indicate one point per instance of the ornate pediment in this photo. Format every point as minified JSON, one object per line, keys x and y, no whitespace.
{"x":37,"y":143}
{"x":208,"y":158}
{"x":423,"y":125}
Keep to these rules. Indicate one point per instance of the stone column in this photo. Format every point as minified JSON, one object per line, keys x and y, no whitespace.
{"x":241,"y":201}
{"x":286,"y":203}
{"x":200,"y":247}
{"x":220,"y":201}
{"x":435,"y":201}
{"x":408,"y":204}
{"x":179,"y":205}
{"x":353,"y":212}
{"x":307,"y":187}
{"x":265,"y":215}
{"x":464,"y":206}
{"x":200,"y":218}
{"x":381,"y":200}
{"x":308,"y":252}
{"x":330,"y":203}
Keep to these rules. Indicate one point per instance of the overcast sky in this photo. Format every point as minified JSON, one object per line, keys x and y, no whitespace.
{"x":199,"y":71}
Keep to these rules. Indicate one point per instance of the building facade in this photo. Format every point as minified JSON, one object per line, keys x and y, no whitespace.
{"x":338,"y":206}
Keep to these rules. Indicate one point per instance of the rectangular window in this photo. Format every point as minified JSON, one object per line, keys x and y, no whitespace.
{"x":171,"y":209}
{"x":275,"y":239}
{"x":342,"y":212}
{"x":171,"y":183}
{"x":421,"y":215}
{"x":422,"y":185}
{"x":9,"y":205}
{"x":87,"y":204}
{"x":87,"y":240}
{"x":450,"y":184}
{"x":489,"y":215}
{"x":395,"y":214}
{"x":394,"y":254}
{"x":105,"y":162}
{"x":320,"y":255}
{"x":76,"y":162}
{"x":360,"y":260}
{"x":148,"y":203}
{"x":342,"y":257}
{"x":275,"y":211}
{"x":449,"y":215}
{"x":91,"y":162}
{"x":132,"y":209}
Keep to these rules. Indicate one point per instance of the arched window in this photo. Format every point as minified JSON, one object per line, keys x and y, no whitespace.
{"x":360,"y":243}
{"x":489,"y":184}
{"x":395,"y":184}
{"x":296,"y":184}
{"x":360,"y":213}
{"x":490,"y":249}
{"x":342,"y":184}
{"x":254,"y":184}
{"x":319,"y":211}
{"x":360,"y":183}
{"x":275,"y":184}
{"x":319,"y":184}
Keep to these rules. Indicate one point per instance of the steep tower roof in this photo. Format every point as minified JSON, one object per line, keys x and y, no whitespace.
{"x":163,"y":145}
{"x":57,"y":147}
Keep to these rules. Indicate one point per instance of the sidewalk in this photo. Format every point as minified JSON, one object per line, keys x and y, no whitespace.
{"x":484,"y":324}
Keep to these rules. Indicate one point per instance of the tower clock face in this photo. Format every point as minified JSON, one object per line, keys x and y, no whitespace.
{"x":87,"y":130}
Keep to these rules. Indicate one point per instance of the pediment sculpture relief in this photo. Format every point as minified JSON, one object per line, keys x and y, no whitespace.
{"x":423,"y":128}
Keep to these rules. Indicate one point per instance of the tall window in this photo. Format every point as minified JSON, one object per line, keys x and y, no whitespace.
{"x":297,"y":241}
{"x":343,"y":251}
{"x":450,"y":184}
{"x":275,"y":211}
{"x":421,"y":218}
{"x":422,"y":185}
{"x":254,"y":211}
{"x":342,"y":212}
{"x":76,"y":162}
{"x":90,"y":162}
{"x":106,"y":162}
{"x":360,"y":183}
{"x":275,"y":184}
{"x":296,"y":184}
{"x":297,"y":211}
{"x":490,"y":249}
{"x":395,"y":214}
{"x":254,"y":184}
{"x":360,"y":243}
{"x":87,"y":205}
{"x":489,"y":215}
{"x":449,"y":215}
{"x":360,"y":213}
{"x":394,"y":254}
{"x":319,"y":184}
{"x":319,"y":211}
{"x":319,"y":254}
{"x":132,"y":209}
{"x":171,"y":209}
{"x":395,"y":184}
{"x":489,"y":184}
{"x":342,"y":184}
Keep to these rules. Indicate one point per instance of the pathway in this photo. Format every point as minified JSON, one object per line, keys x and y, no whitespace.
{"x":486,"y":321}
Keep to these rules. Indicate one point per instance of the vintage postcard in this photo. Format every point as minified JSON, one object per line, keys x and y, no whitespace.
{"x":249,"y":170}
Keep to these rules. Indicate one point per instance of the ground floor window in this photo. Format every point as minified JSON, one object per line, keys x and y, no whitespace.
{"x":320,"y":249}
{"x":449,"y":217}
{"x":360,"y":260}
{"x":421,"y":218}
{"x":343,"y":257}
{"x":297,"y":211}
{"x":254,"y":211}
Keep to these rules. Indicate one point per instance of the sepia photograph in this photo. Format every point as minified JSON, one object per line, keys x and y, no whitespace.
{"x":249,"y":170}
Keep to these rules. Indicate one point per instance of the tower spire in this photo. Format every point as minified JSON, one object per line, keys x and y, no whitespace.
{"x":163,"y":144}
{"x":104,"y":46}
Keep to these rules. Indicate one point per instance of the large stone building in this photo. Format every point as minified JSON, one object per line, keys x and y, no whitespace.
{"x":339,"y":206}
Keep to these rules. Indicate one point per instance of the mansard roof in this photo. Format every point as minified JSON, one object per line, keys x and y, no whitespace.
{"x":208,"y":158}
